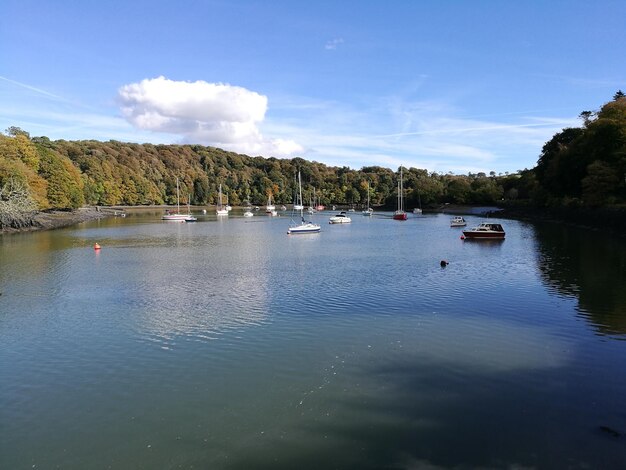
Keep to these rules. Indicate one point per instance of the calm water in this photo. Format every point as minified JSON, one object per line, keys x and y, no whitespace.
{"x":232,"y":345}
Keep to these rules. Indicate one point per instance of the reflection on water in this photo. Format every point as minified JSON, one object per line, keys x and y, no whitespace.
{"x":229,"y":344}
{"x":589,"y":266}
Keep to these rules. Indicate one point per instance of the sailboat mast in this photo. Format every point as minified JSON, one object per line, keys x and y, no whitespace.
{"x":300,"y":193}
{"x":177,"y":197}
{"x":401,"y":191}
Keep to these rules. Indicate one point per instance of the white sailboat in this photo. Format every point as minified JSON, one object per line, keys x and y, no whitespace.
{"x":368,"y":211}
{"x":418,"y":210}
{"x":304,"y":226}
{"x":248,"y":208}
{"x":178,"y":216}
{"x":220,"y":209}
{"x":270,"y":208}
{"x":400,"y":214}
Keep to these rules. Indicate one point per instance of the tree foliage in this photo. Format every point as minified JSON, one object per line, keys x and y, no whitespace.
{"x":587,"y":164}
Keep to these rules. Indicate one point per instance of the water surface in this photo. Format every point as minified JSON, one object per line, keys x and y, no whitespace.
{"x":230,"y":344}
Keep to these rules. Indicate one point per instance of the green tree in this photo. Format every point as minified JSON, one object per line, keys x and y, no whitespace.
{"x":600,"y":183}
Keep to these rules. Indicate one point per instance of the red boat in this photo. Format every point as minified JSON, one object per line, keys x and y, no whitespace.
{"x":486,"y":231}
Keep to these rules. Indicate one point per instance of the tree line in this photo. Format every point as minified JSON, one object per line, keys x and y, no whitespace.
{"x":578,"y":166}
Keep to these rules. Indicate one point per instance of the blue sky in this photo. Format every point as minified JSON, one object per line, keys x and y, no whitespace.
{"x":448,"y":86}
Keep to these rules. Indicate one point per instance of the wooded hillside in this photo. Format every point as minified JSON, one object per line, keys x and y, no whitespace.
{"x":578,"y":166}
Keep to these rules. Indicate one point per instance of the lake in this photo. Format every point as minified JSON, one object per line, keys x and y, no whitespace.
{"x":228,"y":344}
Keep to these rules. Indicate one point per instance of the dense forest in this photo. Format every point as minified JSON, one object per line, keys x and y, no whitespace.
{"x":583,"y":166}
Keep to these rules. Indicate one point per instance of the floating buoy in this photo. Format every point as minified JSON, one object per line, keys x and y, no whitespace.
{"x":96,"y":247}
{"x":462,"y":237}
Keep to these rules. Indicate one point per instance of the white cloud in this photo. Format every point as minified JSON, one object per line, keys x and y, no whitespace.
{"x":214,"y":114}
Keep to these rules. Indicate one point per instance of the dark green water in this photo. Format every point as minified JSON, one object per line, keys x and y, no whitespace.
{"x":232,"y":345}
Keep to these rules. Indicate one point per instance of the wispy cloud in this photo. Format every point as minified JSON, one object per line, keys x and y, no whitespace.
{"x":333,"y":44}
{"x":485,"y":127}
{"x":430,"y":134}
{"x":587,"y":82}
{"x":32,"y":88}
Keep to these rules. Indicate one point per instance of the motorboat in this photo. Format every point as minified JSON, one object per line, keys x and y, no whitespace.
{"x":485,"y":231}
{"x":341,"y":218}
{"x":248,"y":212}
{"x":457,"y":221}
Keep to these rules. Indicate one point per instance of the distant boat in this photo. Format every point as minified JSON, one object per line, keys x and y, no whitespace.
{"x":368,"y":211}
{"x":178,"y":216}
{"x":221,"y":210}
{"x":304,"y":226}
{"x":418,"y":209}
{"x":190,"y":218}
{"x":341,"y":218}
{"x":399,"y":214}
{"x":485,"y":231}
{"x":248,"y":209}
{"x":458,"y":221}
{"x":270,"y":208}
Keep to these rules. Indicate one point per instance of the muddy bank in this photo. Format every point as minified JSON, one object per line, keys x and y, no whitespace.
{"x":56,"y":219}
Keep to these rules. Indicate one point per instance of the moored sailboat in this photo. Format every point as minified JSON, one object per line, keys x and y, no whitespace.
{"x":178,"y":216}
{"x":304,"y":226}
{"x":270,"y":208}
{"x":221,"y":210}
{"x":368,"y":211}
{"x":399,"y":214}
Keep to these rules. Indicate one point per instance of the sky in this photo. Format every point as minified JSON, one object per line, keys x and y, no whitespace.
{"x":447,"y":86}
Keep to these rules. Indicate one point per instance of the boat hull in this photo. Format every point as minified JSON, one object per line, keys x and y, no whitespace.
{"x":400,"y":216}
{"x":483,"y":235}
{"x":304,"y":228}
{"x":341,"y":218}
{"x":177,"y":217}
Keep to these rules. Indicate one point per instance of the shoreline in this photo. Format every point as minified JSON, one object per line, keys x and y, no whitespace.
{"x":610,"y":219}
{"x":50,"y":220}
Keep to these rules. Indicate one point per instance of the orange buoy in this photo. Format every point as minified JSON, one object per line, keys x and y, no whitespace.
{"x":96,"y":247}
